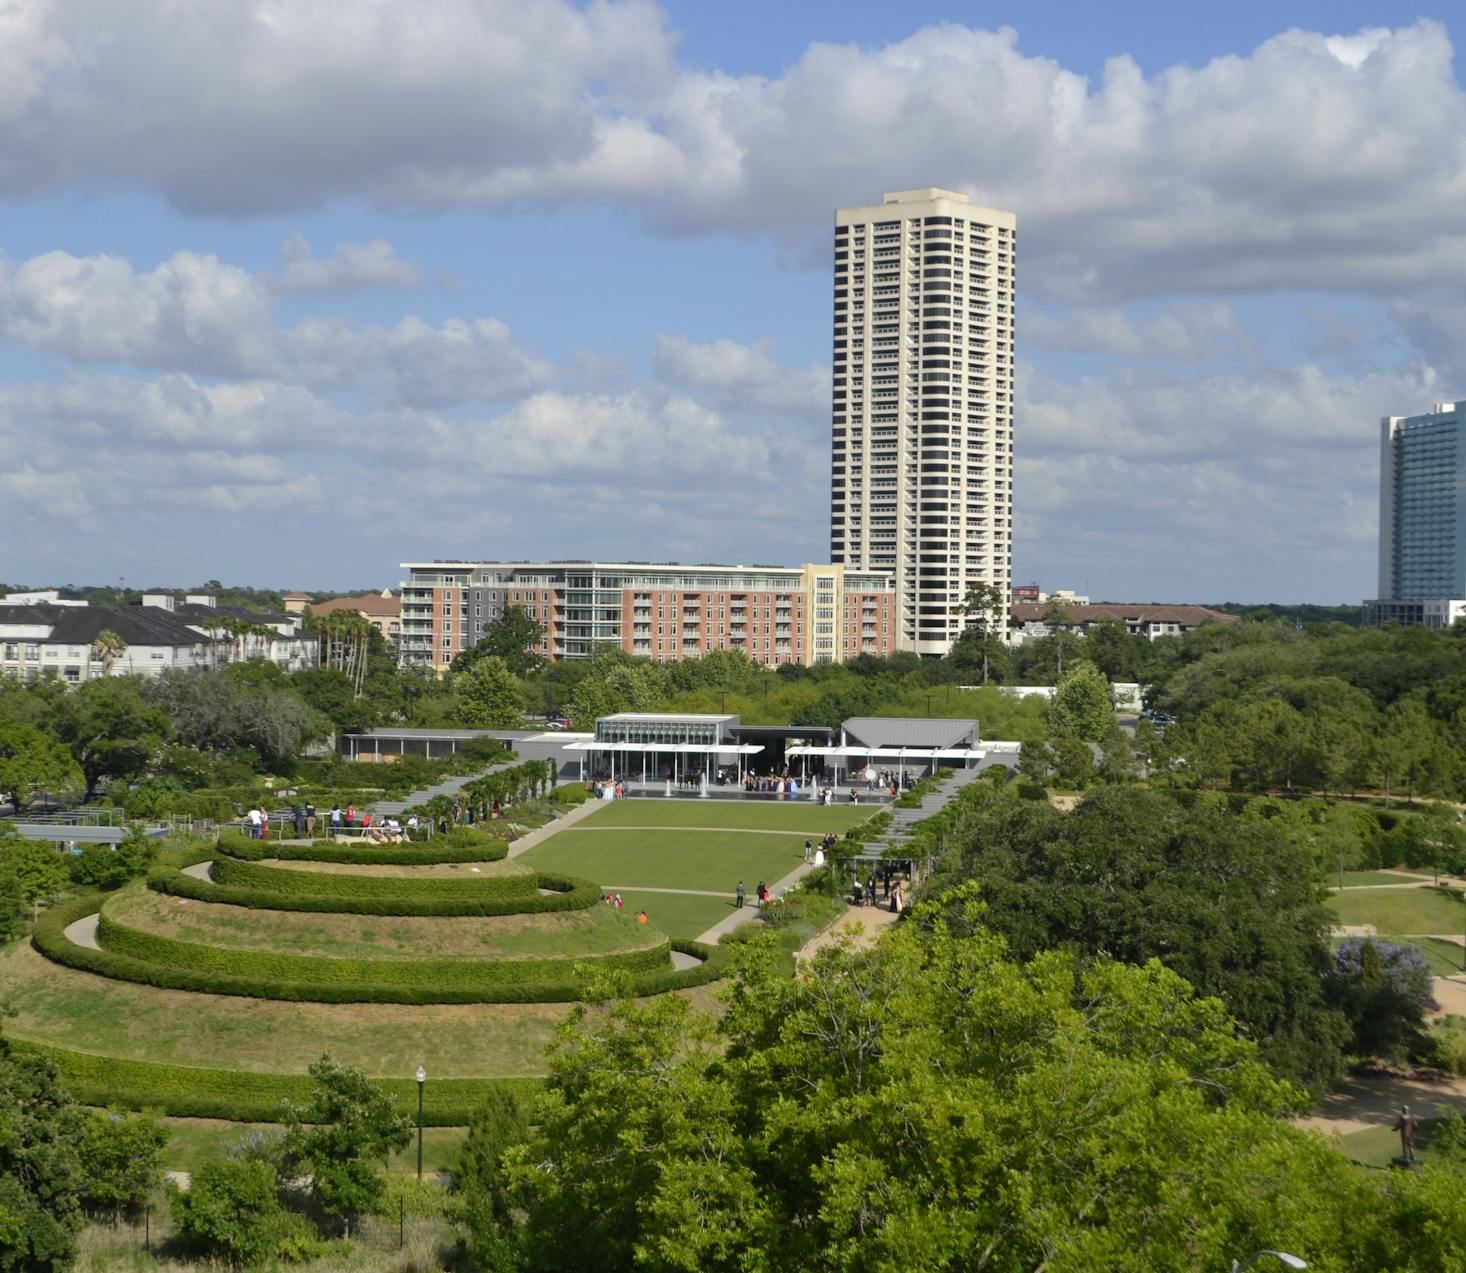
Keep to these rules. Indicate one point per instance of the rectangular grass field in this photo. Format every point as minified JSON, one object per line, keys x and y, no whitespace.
{"x":693,"y":859}
{"x":802,"y":816}
{"x":1399,"y":910}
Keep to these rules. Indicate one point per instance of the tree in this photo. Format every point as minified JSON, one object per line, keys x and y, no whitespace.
{"x":1060,"y":623}
{"x":32,"y":762}
{"x":983,"y":609}
{"x":231,"y":1208}
{"x":1117,"y":758}
{"x":480,"y":1178}
{"x":121,"y":1160}
{"x":1072,"y":760}
{"x":488,"y":695}
{"x":38,"y":866}
{"x":513,"y":637}
{"x":1081,"y":706}
{"x":1383,"y":989}
{"x":343,"y":1138}
{"x":931,"y":1102}
{"x":40,"y":1171}
{"x":113,"y":731}
{"x":1227,"y":902}
{"x":107,"y":648}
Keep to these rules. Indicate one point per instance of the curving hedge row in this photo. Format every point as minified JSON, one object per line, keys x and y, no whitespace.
{"x":286,"y":883}
{"x":186,"y":1091}
{"x":435,"y":975}
{"x":440,"y":849}
{"x":567,"y":894}
{"x":49,"y":938}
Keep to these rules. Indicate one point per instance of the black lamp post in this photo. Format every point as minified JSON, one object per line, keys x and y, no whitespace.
{"x":422,"y":1078}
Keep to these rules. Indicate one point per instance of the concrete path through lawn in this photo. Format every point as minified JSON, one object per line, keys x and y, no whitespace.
{"x":1367,"y":1100}
{"x":808,"y":835}
{"x":200,"y":870}
{"x":748,"y":913}
{"x":687,"y":892}
{"x":84,"y":931}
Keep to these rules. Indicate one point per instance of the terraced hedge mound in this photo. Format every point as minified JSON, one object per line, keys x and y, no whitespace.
{"x":442,"y":974}
{"x":185,"y":1091}
{"x":454,"y":847}
{"x":566,"y":894}
{"x":231,"y":872}
{"x":176,"y":966}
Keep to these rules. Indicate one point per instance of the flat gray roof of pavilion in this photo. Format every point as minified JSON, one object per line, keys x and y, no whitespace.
{"x":895,"y":732}
{"x":669,"y":718}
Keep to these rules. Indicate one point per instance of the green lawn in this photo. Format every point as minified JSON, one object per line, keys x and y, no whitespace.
{"x":552,"y":935}
{"x":73,"y":1009}
{"x":678,"y":914}
{"x":802,"y":816}
{"x":1400,"y":910}
{"x":1375,"y":1146}
{"x":714,"y":860}
{"x":1353,"y":879}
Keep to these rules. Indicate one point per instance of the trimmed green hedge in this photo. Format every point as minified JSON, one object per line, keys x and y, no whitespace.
{"x":185,"y":1091}
{"x":440,"y":849}
{"x":49,"y":938}
{"x":436,"y":975}
{"x":284,"y":882}
{"x":567,"y":894}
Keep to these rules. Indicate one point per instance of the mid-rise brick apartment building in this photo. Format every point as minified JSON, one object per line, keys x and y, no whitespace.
{"x":662,"y":611}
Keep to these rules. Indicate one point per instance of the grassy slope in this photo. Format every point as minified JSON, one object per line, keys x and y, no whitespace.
{"x":555,"y":935}
{"x":93,"y":1014}
{"x":669,"y":859}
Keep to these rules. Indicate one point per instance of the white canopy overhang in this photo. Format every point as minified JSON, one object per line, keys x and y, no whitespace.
{"x":692,"y":749}
{"x":889,"y":753}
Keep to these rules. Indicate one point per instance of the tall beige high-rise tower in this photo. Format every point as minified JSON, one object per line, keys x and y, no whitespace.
{"x":921,"y":476}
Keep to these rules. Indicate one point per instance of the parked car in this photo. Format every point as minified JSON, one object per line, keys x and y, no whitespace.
{"x":557,"y":723}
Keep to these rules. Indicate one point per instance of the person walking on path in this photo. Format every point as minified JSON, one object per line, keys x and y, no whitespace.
{"x":335,"y":820}
{"x":739,"y":894}
{"x":254,"y":822}
{"x":310,"y":820}
{"x":870,"y":889}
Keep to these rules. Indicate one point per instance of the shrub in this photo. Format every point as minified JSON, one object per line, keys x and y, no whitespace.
{"x":285,"y":883}
{"x":566,"y":893}
{"x":183,"y":1091}
{"x":232,"y":1209}
{"x":569,"y":793}
{"x":379,"y":976}
{"x":50,"y":939}
{"x":456,"y":846}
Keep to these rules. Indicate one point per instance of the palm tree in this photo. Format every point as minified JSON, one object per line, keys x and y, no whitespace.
{"x":107,"y":648}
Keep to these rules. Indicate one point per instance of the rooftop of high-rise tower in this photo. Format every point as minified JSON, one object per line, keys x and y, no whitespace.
{"x":921,"y":196}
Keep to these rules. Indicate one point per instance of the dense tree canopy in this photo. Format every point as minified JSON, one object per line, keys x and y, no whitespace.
{"x":934,"y":1104}
{"x":1227,"y":902}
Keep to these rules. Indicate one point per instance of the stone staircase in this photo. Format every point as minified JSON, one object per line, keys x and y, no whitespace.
{"x":903,"y":820}
{"x":448,"y":787}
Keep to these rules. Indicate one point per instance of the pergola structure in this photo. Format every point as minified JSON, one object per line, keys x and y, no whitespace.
{"x":898,"y":757}
{"x":678,"y":751}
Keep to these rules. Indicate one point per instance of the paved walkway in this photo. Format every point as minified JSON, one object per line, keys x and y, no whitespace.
{"x":736,"y":917}
{"x":200,"y":871}
{"x":84,"y":931}
{"x":644,"y":888}
{"x":1369,"y":1100}
{"x":860,"y":924}
{"x":808,"y":835}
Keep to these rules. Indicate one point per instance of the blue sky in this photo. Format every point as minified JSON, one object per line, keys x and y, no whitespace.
{"x":292,"y":293}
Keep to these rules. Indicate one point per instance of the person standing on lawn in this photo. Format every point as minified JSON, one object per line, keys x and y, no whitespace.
{"x":739,"y":894}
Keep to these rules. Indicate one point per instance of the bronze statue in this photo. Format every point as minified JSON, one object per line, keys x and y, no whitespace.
{"x":1407,"y":1127}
